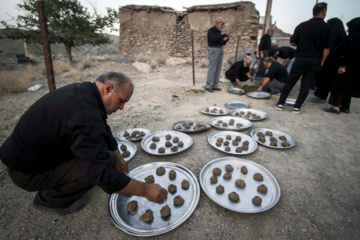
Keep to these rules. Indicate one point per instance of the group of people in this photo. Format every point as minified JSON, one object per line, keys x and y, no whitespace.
{"x":325,"y":59}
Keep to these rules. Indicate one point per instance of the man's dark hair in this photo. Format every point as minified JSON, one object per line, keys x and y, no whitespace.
{"x":272,"y":52}
{"x":269,"y":60}
{"x":119,"y":79}
{"x":318,"y":8}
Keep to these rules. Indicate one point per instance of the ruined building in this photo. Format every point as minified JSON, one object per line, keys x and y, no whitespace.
{"x":153,"y":29}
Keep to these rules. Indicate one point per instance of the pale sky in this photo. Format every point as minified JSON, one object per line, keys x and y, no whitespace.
{"x":287,"y":13}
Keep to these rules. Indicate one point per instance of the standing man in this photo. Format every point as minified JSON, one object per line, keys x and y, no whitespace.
{"x":239,"y":72}
{"x":216,"y":41}
{"x":276,"y":77}
{"x":62,"y":146}
{"x":285,"y":53}
{"x":313,"y":41}
{"x":264,"y":47}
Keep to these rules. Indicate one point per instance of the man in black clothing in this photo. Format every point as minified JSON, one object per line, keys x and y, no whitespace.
{"x":216,"y":41}
{"x":62,"y":146}
{"x":264,"y":47}
{"x":313,"y":41}
{"x":239,"y":71}
{"x":275,"y":78}
{"x":286,"y":53}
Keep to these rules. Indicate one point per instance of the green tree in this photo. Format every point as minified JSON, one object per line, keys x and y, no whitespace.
{"x":68,"y":22}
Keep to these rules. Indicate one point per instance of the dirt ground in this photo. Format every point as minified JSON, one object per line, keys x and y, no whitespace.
{"x":319,"y":178}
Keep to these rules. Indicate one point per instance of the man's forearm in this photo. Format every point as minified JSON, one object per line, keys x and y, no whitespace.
{"x":326,"y":52}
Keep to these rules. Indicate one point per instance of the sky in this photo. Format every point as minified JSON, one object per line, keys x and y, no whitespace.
{"x":287,"y":13}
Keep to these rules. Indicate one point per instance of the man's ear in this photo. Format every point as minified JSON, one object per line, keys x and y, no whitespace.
{"x":108,"y":88}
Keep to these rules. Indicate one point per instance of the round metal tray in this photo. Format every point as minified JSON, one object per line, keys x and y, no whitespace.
{"x":246,"y":194}
{"x":243,"y":112}
{"x":276,"y":134}
{"x":120,"y":135}
{"x":131,"y":223}
{"x":237,"y":105}
{"x":258,"y":94}
{"x":131,"y":147}
{"x":192,"y":127}
{"x":186,"y":139}
{"x":217,"y":113}
{"x":222,"y":134}
{"x":236,"y":90}
{"x":245,"y":123}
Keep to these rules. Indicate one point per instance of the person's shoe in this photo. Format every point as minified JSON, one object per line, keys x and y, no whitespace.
{"x":216,"y":89}
{"x":43,"y":206}
{"x":331,"y":110}
{"x":296,"y":110}
{"x":318,"y":100}
{"x":344,"y":110}
{"x":209,"y":90}
{"x":279,"y":107}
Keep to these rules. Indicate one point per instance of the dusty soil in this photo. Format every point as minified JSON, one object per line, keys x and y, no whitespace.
{"x":319,"y":177}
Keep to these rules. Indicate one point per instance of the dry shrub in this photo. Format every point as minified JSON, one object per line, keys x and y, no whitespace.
{"x":3,"y":65}
{"x":84,"y":64}
{"x":61,"y":66}
{"x":19,"y":79}
{"x":77,"y":75}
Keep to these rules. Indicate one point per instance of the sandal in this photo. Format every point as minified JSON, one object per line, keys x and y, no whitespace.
{"x":331,"y":110}
{"x":344,"y":110}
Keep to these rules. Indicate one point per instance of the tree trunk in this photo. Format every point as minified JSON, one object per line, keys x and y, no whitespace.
{"x":68,"y":53}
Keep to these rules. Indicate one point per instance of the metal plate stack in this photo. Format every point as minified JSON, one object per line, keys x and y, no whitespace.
{"x":133,"y":134}
{"x":259,"y":95}
{"x":246,"y":194}
{"x":131,"y":224}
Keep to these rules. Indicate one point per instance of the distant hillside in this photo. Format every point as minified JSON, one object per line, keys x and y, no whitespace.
{"x":8,"y":46}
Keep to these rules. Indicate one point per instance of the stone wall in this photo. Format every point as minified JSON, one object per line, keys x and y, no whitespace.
{"x":152,"y":30}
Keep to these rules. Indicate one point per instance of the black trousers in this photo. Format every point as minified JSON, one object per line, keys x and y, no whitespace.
{"x":60,"y":186}
{"x":307,"y":68}
{"x":230,"y":74}
{"x":343,"y":101}
{"x":262,"y":69}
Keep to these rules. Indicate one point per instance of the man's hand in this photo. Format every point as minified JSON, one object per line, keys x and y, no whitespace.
{"x":121,"y":165}
{"x":341,"y":70}
{"x":155,"y":193}
{"x":259,"y":89}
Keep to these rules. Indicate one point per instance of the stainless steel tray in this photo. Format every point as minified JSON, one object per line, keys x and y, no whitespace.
{"x":222,"y":134}
{"x":186,"y":139}
{"x":243,"y":112}
{"x":246,"y":194}
{"x":120,"y":135}
{"x":131,"y":223}
{"x":217,"y":113}
{"x":245,"y":123}
{"x":181,"y":128}
{"x":258,"y":94}
{"x":237,"y":105}
{"x":131,"y":147}
{"x":236,"y":90}
{"x":276,"y":134}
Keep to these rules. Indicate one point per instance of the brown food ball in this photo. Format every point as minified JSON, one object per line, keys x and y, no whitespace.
{"x":245,"y":147}
{"x":238,"y":138}
{"x":219,"y":121}
{"x":283,"y":138}
{"x":257,"y":200}
{"x":126,"y":154}
{"x":258,"y":177}
{"x":229,"y":168}
{"x":240,"y":183}
{"x":161,"y":150}
{"x":238,"y":149}
{"x":269,"y":133}
{"x":224,"y":125}
{"x":178,"y":200}
{"x":149,"y":179}
{"x":217,"y":171}
{"x":168,"y":137}
{"x":220,"y":189}
{"x":273,"y":139}
{"x":147,"y":217}
{"x":180,"y":144}
{"x":228,"y":137}
{"x":172,"y":174}
{"x":235,"y":143}
{"x":175,"y":140}
{"x":228,"y":149}
{"x":285,"y":144}
{"x":207,"y":110}
{"x":156,"y":139}
{"x":160,"y":171}
{"x":168,"y":144}
{"x":239,"y":125}
{"x":213,"y":179}
{"x":262,"y":189}
{"x":273,"y":143}
{"x":174,"y":149}
{"x":132,"y":207}
{"x":246,"y":143}
{"x":244,"y":170}
{"x":262,"y":139}
{"x":178,"y":127}
{"x":126,"y":134}
{"x":153,"y":146}
{"x":220,"y":140}
{"x":227,"y":176}
{"x":234,"y":197}
{"x":226,"y":143}
{"x":218,"y":144}
{"x":231,"y":122}
{"x":172,"y":188}
{"x":165,"y":211}
{"x":123,"y":147}
{"x":185,"y":184}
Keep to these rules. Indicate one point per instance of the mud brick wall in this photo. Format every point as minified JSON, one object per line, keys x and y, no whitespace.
{"x":152,"y":29}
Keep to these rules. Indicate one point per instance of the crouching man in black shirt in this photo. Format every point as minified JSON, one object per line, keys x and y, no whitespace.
{"x":239,"y":72}
{"x":62,"y":146}
{"x":276,"y":77}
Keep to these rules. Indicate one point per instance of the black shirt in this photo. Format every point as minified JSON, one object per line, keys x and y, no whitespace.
{"x":239,"y":69}
{"x":286,"y":52}
{"x":278,"y":72}
{"x":64,"y":124}
{"x":311,"y":38}
{"x":265,"y":42}
{"x":215,"y":38}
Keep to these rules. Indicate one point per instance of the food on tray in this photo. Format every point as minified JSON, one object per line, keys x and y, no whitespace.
{"x":168,"y":144}
{"x":217,"y":171}
{"x":283,"y":138}
{"x":174,"y":149}
{"x":227,"y":176}
{"x":258,"y":177}
{"x":172,"y":188}
{"x":185,"y":184}
{"x":228,"y":137}
{"x":153,"y":145}
{"x":234,"y":197}
{"x":172,"y":174}
{"x":220,"y":189}
{"x":285,"y":144}
{"x":228,"y":149}
{"x":160,"y":171}
{"x":238,"y":138}
{"x":218,"y":144}
{"x":244,"y":170}
{"x":126,"y":154}
{"x":262,"y":189}
{"x":213,"y":179}
{"x":175,"y":140}
{"x":235,"y":143}
{"x":132,"y":207}
{"x":123,"y":147}
{"x":156,"y":139}
{"x":257,"y":200}
{"x":178,"y":200}
{"x":180,"y":144}
{"x":161,"y":150}
{"x":168,"y":136}
{"x":269,"y":133}
{"x":165,"y":211}
{"x":240,"y":183}
{"x":262,"y":139}
{"x":238,"y":149}
{"x":149,"y":179}
{"x":147,"y":217}
{"x":229,"y":168}
{"x":239,"y":125}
